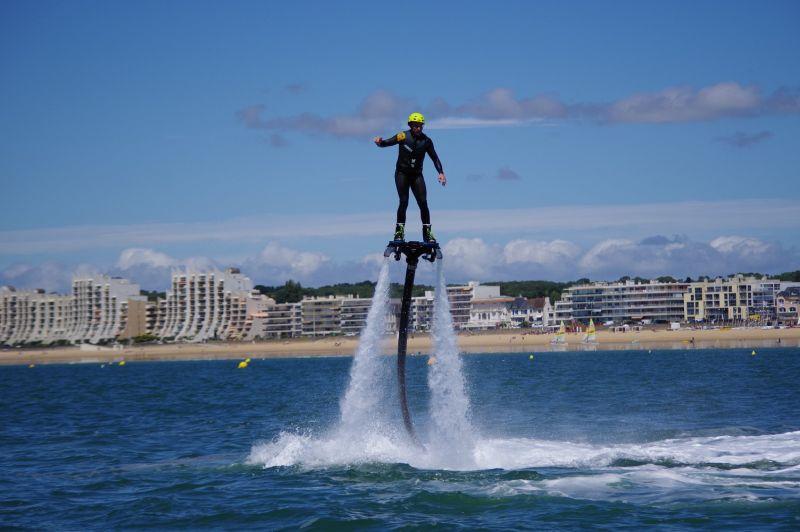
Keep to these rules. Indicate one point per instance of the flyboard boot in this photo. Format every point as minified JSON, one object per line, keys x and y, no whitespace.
{"x":427,"y":234}
{"x":399,"y":233}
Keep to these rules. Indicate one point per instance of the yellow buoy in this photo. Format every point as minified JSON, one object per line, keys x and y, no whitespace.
{"x":121,"y":362}
{"x":247,"y":360}
{"x":242,"y":364}
{"x":32,"y":366}
{"x":753,"y":353}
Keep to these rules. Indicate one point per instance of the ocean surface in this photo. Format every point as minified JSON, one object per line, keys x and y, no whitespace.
{"x":676,"y":439}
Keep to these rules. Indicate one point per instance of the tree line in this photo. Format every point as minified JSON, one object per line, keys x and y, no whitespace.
{"x":292,"y":291}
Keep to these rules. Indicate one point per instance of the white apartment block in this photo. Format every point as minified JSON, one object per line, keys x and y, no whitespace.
{"x":736,"y":298}
{"x":472,"y":306}
{"x":94,"y":312}
{"x":420,"y":313}
{"x":278,"y":320}
{"x":353,"y":315}
{"x":622,"y":301}
{"x":98,"y":309}
{"x":32,"y":316}
{"x":331,"y":315}
{"x":321,"y":315}
{"x":209,"y":305}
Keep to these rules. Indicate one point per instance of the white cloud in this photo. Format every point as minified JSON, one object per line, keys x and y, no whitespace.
{"x":500,"y":107}
{"x":455,"y":122}
{"x":684,"y":104}
{"x":50,"y":276}
{"x":471,"y":257}
{"x":465,"y":259}
{"x":680,"y":257}
{"x":550,"y":254}
{"x":277,"y":263}
{"x":679,"y":217}
{"x":378,"y":112}
{"x":741,"y":245}
{"x":502,"y":104}
{"x":144,"y":257}
{"x":300,"y":263}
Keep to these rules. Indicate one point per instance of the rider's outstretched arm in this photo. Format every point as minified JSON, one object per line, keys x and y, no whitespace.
{"x":391,"y":141}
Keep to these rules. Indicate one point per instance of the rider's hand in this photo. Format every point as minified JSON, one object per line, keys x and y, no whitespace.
{"x":442,"y":179}
{"x":377,"y":141}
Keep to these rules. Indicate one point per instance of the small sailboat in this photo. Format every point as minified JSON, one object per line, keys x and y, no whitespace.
{"x":591,"y":334}
{"x":560,"y":337}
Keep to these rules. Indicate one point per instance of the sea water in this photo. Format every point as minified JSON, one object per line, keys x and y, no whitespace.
{"x":685,"y":438}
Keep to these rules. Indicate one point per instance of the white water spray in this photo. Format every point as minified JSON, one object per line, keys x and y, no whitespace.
{"x":370,"y":429}
{"x":451,"y":432}
{"x":363,"y":404}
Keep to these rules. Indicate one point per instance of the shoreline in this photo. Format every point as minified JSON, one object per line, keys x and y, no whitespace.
{"x":505,"y":341}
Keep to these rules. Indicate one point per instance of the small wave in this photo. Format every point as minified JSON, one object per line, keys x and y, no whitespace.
{"x":766,"y":453}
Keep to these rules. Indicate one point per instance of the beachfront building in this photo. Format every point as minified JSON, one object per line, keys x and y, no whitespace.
{"x":622,"y":301}
{"x":489,"y":310}
{"x":353,"y":315}
{"x":464,"y":300}
{"x":461,"y":297}
{"x":278,"y":320}
{"x":788,"y":306}
{"x":209,"y":305}
{"x":420,"y":313}
{"x":98,"y":309}
{"x":535,"y":312}
{"x":333,"y":315}
{"x":321,"y":315}
{"x":140,"y":319}
{"x":32,"y":316}
{"x":736,"y":298}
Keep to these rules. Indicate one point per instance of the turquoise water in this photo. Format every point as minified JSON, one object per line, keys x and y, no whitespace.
{"x":682,"y":439}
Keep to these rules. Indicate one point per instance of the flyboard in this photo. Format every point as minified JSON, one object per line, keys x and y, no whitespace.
{"x":413,"y":251}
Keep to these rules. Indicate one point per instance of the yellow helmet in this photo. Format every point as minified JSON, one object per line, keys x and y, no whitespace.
{"x":416,"y":117}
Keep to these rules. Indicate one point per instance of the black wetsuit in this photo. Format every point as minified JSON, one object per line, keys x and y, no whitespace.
{"x":408,"y":172}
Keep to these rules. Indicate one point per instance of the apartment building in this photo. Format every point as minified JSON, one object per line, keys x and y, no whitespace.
{"x":321,"y":315}
{"x":98,"y":309}
{"x":32,"y":316}
{"x":735,"y":298}
{"x":208,"y":305}
{"x":625,"y":301}
{"x":279,"y":320}
{"x":353,"y":315}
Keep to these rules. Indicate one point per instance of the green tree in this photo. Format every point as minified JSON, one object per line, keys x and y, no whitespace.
{"x":793,"y":277}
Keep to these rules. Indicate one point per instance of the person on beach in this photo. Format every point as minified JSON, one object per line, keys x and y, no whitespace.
{"x":413,"y":144}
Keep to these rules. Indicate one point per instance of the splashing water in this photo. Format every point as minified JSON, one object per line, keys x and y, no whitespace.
{"x":369,"y":429}
{"x":451,"y":432}
{"x":363,"y":406}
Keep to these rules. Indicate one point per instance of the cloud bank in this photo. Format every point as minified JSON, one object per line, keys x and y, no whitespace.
{"x":653,"y":218}
{"x":384,"y":111}
{"x":465,"y":259}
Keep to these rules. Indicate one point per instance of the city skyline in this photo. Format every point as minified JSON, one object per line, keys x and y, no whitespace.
{"x":577,"y":142}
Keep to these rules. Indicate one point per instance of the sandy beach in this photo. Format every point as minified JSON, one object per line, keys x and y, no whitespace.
{"x":484,"y":342}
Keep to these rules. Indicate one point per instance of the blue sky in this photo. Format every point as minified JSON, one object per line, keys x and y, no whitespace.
{"x":140,"y":137}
